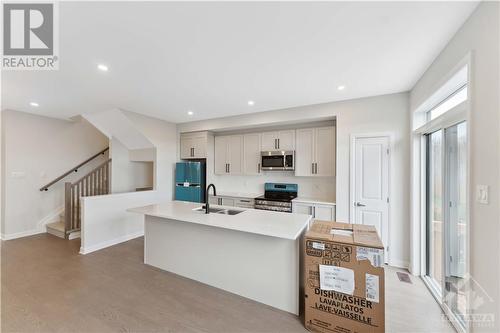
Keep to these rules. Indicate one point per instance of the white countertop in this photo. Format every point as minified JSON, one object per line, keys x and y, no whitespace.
{"x":314,"y":200}
{"x":262,"y":222}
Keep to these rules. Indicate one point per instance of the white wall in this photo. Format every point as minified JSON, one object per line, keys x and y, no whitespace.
{"x":106,"y":222}
{"x":127,"y":175}
{"x":479,"y":35}
{"x":388,"y":113}
{"x":163,"y":135}
{"x":36,"y":150}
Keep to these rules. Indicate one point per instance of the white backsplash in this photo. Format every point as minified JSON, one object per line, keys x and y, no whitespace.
{"x":321,"y":188}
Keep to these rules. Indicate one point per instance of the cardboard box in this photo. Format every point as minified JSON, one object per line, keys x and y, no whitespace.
{"x":343,"y":278}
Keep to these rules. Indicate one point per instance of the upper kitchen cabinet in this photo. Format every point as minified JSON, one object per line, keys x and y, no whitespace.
{"x":315,"y":152}
{"x":283,"y":140}
{"x":194,"y":145}
{"x":228,"y":155}
{"x":251,"y":154}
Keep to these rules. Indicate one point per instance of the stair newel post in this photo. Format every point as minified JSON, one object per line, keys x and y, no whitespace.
{"x":67,"y":209}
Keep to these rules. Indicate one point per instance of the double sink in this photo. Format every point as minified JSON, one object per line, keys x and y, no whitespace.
{"x":222,"y":211}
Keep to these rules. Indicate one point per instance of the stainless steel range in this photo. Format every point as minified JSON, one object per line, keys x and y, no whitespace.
{"x":277,"y":197}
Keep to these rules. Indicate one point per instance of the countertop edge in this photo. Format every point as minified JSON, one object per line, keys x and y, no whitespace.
{"x":137,"y":210}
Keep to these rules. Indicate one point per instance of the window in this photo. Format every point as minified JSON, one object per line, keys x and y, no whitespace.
{"x":449,"y":95}
{"x":455,"y":99}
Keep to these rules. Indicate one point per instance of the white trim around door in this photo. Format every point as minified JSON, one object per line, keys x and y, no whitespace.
{"x":379,"y":206}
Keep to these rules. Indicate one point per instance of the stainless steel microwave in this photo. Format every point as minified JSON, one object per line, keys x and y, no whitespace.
{"x":277,"y":160}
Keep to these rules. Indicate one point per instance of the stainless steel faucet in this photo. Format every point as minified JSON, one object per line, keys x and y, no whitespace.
{"x":207,"y":209}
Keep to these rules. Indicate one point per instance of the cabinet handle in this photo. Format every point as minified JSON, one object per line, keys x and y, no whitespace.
{"x":316,"y":168}
{"x":193,"y":151}
{"x":278,"y":143}
{"x":312,"y":168}
{"x":259,"y":168}
{"x":229,"y":167}
{"x":244,"y":200}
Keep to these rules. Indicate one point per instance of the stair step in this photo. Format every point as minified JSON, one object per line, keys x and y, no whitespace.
{"x":56,"y":229}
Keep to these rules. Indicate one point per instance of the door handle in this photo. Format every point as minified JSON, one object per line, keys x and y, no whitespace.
{"x":359,"y":204}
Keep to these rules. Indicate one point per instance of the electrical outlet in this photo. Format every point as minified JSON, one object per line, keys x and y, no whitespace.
{"x":482,"y":194}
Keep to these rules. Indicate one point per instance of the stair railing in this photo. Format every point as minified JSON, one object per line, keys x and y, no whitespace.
{"x":75,"y":169}
{"x":96,"y":182}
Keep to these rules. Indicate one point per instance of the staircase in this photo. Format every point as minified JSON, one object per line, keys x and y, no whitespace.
{"x":56,"y":228}
{"x":96,"y":182}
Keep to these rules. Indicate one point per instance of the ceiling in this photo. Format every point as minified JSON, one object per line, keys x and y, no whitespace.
{"x":212,"y":58}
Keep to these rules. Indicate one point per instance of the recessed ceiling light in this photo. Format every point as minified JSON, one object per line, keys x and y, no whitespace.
{"x":102,"y":67}
{"x":251,"y":103}
{"x":190,"y":113}
{"x":340,"y":87}
{"x":34,"y":104}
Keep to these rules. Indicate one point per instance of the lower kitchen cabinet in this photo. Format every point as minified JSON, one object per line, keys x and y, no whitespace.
{"x":231,"y":201}
{"x":319,"y":211}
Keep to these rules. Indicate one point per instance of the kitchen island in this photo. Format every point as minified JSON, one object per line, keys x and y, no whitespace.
{"x":254,"y":253}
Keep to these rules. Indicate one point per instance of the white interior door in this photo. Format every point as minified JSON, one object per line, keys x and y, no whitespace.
{"x":371,"y":183}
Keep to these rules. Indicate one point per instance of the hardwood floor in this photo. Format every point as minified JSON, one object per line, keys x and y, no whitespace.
{"x":48,"y":287}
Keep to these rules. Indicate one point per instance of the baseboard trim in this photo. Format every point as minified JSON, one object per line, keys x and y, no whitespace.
{"x":21,"y":234}
{"x":40,"y":226}
{"x":105,"y":244}
{"x":399,"y":264}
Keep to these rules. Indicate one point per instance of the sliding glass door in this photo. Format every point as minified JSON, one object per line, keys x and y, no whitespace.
{"x":456,"y":219}
{"x":446,"y":226}
{"x":435,"y":216}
